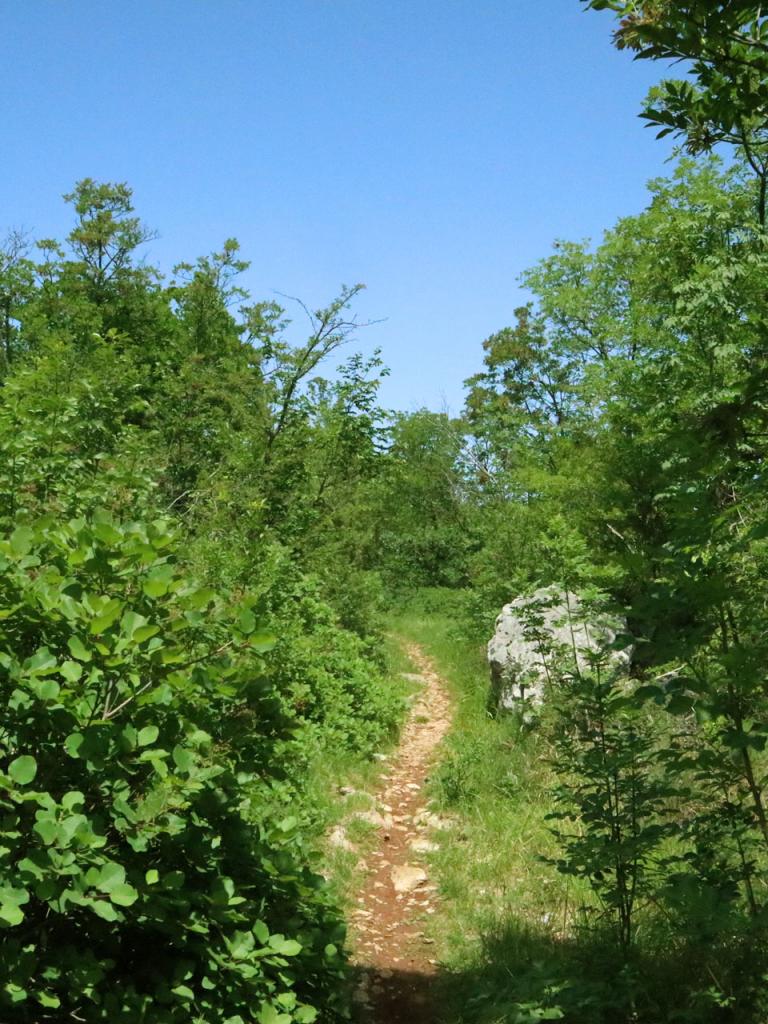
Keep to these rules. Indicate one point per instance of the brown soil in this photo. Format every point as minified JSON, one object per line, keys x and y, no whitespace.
{"x":394,"y":957}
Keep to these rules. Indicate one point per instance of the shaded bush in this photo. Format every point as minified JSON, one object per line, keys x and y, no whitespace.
{"x":133,"y":884}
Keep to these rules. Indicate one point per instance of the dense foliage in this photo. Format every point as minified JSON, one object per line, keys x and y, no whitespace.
{"x":616,"y":443}
{"x":177,"y":642}
{"x":199,"y":532}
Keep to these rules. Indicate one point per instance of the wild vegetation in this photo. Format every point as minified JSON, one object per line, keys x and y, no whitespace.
{"x":181,"y":639}
{"x":616,"y":440}
{"x":204,"y":534}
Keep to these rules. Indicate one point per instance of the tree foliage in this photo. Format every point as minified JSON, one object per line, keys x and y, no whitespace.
{"x":618,"y":436}
{"x":174,"y":649}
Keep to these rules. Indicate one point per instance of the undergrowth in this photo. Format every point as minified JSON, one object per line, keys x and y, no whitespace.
{"x":492,"y":780}
{"x":519,"y":942}
{"x":341,"y":781}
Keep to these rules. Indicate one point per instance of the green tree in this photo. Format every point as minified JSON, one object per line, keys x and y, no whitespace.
{"x":725,"y":48}
{"x":106,"y":234}
{"x":16,"y":288}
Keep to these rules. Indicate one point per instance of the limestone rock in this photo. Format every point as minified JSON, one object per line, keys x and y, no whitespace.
{"x":375,"y":818}
{"x":426,"y":819}
{"x":542,"y":636}
{"x":338,"y":837}
{"x":424,"y":846}
{"x":413,"y":677}
{"x":407,"y":877}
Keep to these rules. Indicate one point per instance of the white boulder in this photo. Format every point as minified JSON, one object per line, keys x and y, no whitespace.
{"x":547,"y":635}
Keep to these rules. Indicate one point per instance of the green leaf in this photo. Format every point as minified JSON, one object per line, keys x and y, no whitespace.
{"x":47,"y":828}
{"x":288,"y":947}
{"x":241,"y":944}
{"x":111,"y":876}
{"x":78,"y":649}
{"x":262,"y":642}
{"x":158,"y":581}
{"x":49,"y":1000}
{"x":46,"y":689}
{"x":73,"y":743}
{"x":183,"y":759}
{"x":222,"y":890}
{"x":21,"y":540}
{"x":10,"y":894}
{"x":107,"y":617}
{"x":200,"y":598}
{"x":145,"y":633}
{"x":11,"y":914}
{"x":269,"y":1015}
{"x":71,"y":671}
{"x":15,"y":992}
{"x":27,"y":866}
{"x":147,"y":735}
{"x":123,"y":895}
{"x":23,"y":769}
{"x":41,"y":663}
{"x":246,"y":621}
{"x":305,"y":1015}
{"x":107,"y":534}
{"x":131,"y":621}
{"x":104,"y":910}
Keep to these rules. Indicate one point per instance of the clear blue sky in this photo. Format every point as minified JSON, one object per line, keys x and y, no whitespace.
{"x":432,"y":150}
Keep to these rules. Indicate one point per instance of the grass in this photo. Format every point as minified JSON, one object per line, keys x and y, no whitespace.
{"x":518,"y":941}
{"x":501,"y":902}
{"x":511,"y":935}
{"x":332,"y":772}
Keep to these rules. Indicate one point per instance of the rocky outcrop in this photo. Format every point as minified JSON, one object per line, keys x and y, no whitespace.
{"x":546,"y":635}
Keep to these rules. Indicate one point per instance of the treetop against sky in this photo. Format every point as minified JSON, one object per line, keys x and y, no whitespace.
{"x":430,"y":150}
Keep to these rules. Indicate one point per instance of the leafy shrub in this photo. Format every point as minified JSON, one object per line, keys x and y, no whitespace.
{"x":325,"y":677}
{"x":67,"y":440}
{"x":138,"y":725}
{"x":331,"y":687}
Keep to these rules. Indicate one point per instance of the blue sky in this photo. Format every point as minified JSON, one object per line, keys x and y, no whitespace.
{"x":432,"y":150}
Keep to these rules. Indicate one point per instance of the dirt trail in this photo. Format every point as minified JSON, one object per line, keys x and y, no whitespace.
{"x":395,"y":960}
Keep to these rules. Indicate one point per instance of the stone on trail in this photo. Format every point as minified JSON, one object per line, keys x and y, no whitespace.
{"x":407,"y":877}
{"x":429,"y":820}
{"x":375,"y":819}
{"x":413,"y":677}
{"x":424,"y":846}
{"x":547,"y":633}
{"x":338,"y":837}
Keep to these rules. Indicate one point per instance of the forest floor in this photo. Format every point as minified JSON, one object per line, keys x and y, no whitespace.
{"x":393,"y":955}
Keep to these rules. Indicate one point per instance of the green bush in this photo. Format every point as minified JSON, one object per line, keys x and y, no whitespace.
{"x":329,"y":681}
{"x":138,"y":724}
